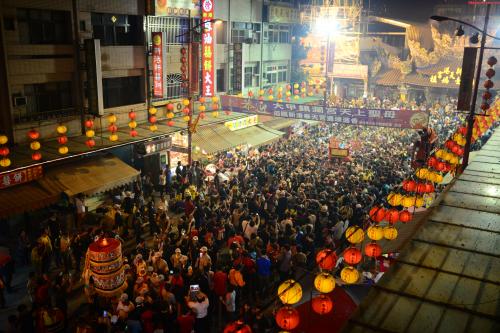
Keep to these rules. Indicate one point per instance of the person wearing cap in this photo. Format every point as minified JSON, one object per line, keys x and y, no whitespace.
{"x":204,"y":260}
{"x":124,"y":307}
{"x":178,"y":260}
{"x":158,"y":263}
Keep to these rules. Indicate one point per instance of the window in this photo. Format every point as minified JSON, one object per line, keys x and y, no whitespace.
{"x":245,"y":32}
{"x":220,"y":80}
{"x":47,"y":97}
{"x":276,"y":73}
{"x":44,"y":26}
{"x":174,"y":28}
{"x":117,"y":29}
{"x":277,"y":33}
{"x":122,"y":91}
{"x":251,"y":72}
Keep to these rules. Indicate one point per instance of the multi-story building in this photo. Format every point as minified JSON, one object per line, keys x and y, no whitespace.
{"x":263,"y":29}
{"x":68,"y":61}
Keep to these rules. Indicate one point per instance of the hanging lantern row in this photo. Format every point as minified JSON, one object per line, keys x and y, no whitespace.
{"x":488,"y":84}
{"x":35,"y":145}
{"x":132,"y":124}
{"x":62,"y":139}
{"x":184,"y":74}
{"x":112,"y":128}
{"x":89,"y":133}
{"x":152,"y":119}
{"x":4,"y":151}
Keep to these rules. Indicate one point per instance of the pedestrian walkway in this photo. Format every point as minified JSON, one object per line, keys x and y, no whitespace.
{"x":447,"y":278}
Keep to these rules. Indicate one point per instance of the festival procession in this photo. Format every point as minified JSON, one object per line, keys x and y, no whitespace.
{"x":301,"y":166}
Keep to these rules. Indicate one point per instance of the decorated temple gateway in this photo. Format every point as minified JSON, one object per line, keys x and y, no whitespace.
{"x":104,"y":264}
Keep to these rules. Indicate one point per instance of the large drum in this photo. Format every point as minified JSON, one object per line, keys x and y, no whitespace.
{"x":104,"y":263}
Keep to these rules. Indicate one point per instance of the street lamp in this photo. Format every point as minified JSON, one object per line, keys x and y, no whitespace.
{"x":470,"y":119}
{"x":328,"y":28}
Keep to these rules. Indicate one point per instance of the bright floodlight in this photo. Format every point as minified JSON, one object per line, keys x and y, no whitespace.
{"x":327,"y":27}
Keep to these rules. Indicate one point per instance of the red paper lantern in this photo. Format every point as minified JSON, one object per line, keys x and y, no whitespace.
{"x":131,"y":115}
{"x":373,"y":250}
{"x":429,"y":188}
{"x":490,"y":73}
{"x":296,"y":91}
{"x":492,"y":61}
{"x":112,"y":128}
{"x":287,"y":318}
{"x":63,"y":139}
{"x":90,"y":143}
{"x":392,"y":216}
{"x":4,"y":151}
{"x":227,"y":112}
{"x":183,"y":68}
{"x":36,"y":156}
{"x":170,"y":107}
{"x":449,"y":144}
{"x":410,"y":185}
{"x":462,"y":130}
{"x":183,"y":60}
{"x":421,"y":188}
{"x":322,"y":304}
{"x":377,"y":214}
{"x":485,"y":106}
{"x":133,"y":133}
{"x":405,"y":216}
{"x":202,"y":115}
{"x":250,"y":93}
{"x":170,"y":123}
{"x":261,"y":98}
{"x":185,"y":110}
{"x":352,"y":256}
{"x":33,"y":134}
{"x":237,"y":327}
{"x":288,"y":87}
{"x":460,"y":151}
{"x":487,"y":95}
{"x":326,"y":259}
{"x":215,"y":106}
{"x":89,"y":123}
{"x":152,"y":119}
{"x":431,"y":162}
{"x":440,"y":166}
{"x":488,"y":84}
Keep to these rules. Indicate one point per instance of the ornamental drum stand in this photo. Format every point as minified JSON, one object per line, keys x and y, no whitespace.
{"x":104,"y":264}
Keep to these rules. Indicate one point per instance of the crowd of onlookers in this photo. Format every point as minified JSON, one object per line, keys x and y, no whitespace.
{"x":203,"y":249}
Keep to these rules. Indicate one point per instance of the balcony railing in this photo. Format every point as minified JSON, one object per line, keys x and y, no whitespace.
{"x":24,"y":116}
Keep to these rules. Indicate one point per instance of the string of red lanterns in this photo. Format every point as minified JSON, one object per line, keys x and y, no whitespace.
{"x":62,"y":139}
{"x":4,"y":151}
{"x":89,"y":133}
{"x":35,"y":145}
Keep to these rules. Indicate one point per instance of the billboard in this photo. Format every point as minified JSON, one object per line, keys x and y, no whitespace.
{"x":207,"y":47}
{"x":351,"y":116}
{"x":181,"y":8}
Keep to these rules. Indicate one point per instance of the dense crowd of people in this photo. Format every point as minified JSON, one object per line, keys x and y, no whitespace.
{"x":204,"y":249}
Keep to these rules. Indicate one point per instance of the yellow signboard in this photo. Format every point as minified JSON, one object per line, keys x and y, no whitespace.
{"x":241,"y":123}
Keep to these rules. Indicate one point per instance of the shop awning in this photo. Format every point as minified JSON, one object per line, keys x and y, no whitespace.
{"x":92,"y":176}
{"x":212,"y":139}
{"x":259,"y":135}
{"x":26,"y":197}
{"x":280,"y":123}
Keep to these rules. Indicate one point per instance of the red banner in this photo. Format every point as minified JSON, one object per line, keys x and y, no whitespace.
{"x":207,"y":47}
{"x":19,"y":177}
{"x":157,"y":65}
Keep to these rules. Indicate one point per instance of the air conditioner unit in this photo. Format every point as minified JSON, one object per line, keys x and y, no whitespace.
{"x":20,"y":100}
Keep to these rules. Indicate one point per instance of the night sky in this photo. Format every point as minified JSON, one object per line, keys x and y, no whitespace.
{"x":411,"y":10}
